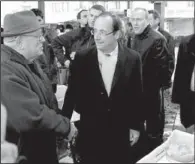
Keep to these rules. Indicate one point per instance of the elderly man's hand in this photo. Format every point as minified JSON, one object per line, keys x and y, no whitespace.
{"x":134,"y":136}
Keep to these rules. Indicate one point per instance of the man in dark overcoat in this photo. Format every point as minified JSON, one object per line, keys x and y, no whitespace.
{"x":33,"y":121}
{"x":106,"y":85}
{"x":157,"y":64}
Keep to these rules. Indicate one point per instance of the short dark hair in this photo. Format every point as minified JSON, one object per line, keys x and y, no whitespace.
{"x":79,"y":14}
{"x":37,"y":12}
{"x":98,"y":7}
{"x":116,"y":21}
{"x":60,"y":27}
{"x":69,"y":26}
{"x":155,"y":13}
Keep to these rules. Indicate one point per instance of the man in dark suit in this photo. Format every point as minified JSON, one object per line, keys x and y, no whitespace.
{"x":156,"y":62}
{"x":106,"y":86}
{"x":182,"y":93}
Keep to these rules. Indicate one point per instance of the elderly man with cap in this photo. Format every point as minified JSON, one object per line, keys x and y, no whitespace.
{"x":33,"y":118}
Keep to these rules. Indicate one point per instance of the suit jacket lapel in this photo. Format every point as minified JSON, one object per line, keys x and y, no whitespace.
{"x":120,"y":65}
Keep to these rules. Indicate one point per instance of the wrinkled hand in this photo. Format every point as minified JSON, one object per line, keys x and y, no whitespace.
{"x":72,"y":55}
{"x":134,"y":136}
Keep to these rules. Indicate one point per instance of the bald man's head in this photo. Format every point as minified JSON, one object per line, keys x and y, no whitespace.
{"x":139,"y":20}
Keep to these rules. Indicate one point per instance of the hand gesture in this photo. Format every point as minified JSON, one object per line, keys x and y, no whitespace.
{"x":134,"y":136}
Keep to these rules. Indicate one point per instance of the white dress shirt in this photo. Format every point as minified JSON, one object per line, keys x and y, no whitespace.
{"x":107,"y":65}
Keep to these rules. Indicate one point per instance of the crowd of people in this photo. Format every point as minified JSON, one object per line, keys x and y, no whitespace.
{"x":118,"y":71}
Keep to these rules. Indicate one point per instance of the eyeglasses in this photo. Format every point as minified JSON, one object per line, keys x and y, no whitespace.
{"x":40,"y":38}
{"x":101,"y":32}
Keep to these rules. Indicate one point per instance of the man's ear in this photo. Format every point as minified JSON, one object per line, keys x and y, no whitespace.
{"x":117,"y":34}
{"x":158,"y":20}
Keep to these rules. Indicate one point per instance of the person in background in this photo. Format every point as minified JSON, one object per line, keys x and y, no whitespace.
{"x":33,"y":120}
{"x":77,"y":39}
{"x":156,"y":61}
{"x":129,"y":34}
{"x":47,"y":60}
{"x":82,"y":18}
{"x":183,"y":92}
{"x":60,"y":29}
{"x":68,"y":28}
{"x":106,"y":84}
{"x":155,"y":19}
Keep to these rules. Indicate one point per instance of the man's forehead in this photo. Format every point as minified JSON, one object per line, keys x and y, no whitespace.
{"x":100,"y":23}
{"x":84,"y":13}
{"x":138,"y":14}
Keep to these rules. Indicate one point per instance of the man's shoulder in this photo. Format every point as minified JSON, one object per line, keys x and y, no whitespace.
{"x":131,"y":54}
{"x":188,"y":39}
{"x":156,"y":35}
{"x":165,"y":33}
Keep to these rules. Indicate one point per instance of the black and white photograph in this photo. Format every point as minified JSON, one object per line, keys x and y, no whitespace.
{"x":97,"y":82}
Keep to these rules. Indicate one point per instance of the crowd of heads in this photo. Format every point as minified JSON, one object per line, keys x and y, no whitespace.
{"x":137,"y":22}
{"x":105,"y":34}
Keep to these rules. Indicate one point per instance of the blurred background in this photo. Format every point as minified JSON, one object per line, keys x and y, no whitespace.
{"x":177,"y":16}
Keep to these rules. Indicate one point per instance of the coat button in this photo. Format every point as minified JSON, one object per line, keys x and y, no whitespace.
{"x":102,"y":93}
{"x":109,"y":110}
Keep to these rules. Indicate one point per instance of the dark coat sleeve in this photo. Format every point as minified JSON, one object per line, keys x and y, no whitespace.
{"x":25,"y":111}
{"x":164,"y":62}
{"x":180,"y":83}
{"x":73,"y":88}
{"x":170,"y":42}
{"x":136,"y":84}
{"x":66,"y":40}
{"x":171,"y":46}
